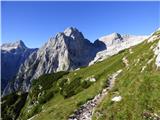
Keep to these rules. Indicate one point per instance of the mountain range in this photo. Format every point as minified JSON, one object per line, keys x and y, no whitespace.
{"x":68,"y":50}
{"x":116,"y":77}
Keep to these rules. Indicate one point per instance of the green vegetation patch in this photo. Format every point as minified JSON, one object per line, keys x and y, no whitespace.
{"x":12,"y":105}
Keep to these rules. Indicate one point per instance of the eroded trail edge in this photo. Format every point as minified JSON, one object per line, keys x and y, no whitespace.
{"x":86,"y":111}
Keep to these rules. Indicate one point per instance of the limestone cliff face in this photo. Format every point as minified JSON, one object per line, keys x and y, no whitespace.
{"x":66,"y":51}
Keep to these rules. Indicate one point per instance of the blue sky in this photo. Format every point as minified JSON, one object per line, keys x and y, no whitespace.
{"x":36,"y":22}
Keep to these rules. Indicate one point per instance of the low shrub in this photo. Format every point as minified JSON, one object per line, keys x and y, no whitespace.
{"x":46,"y":97}
{"x":72,"y":88}
{"x":85,"y":84}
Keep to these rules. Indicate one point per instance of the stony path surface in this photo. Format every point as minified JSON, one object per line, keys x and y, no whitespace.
{"x":86,"y":111}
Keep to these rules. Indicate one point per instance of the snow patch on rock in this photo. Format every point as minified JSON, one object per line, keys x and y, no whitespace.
{"x":14,"y":45}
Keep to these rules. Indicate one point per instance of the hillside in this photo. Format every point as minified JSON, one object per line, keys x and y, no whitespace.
{"x":138,"y":86}
{"x":57,"y":95}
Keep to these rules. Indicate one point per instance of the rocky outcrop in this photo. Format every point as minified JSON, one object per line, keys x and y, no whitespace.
{"x":12,"y":56}
{"x":68,"y":50}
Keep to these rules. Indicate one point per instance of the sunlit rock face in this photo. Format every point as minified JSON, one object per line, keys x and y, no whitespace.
{"x":116,"y":43}
{"x":68,"y":50}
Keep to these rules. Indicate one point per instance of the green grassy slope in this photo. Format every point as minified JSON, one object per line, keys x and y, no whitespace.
{"x":139,"y":89}
{"x":56,"y":96}
{"x":60,"y":107}
{"x":12,"y":105}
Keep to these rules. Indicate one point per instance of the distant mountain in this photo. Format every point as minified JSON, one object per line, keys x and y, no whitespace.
{"x":116,"y":43}
{"x":12,"y":56}
{"x":114,"y":38}
{"x":68,"y":50}
{"x":124,"y":86}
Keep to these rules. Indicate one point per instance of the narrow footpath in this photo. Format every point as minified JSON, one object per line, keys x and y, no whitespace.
{"x":86,"y":111}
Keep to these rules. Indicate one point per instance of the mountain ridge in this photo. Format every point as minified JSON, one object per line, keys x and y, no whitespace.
{"x":66,"y":51}
{"x":133,"y":74}
{"x":12,"y":56}
{"x":18,"y":44}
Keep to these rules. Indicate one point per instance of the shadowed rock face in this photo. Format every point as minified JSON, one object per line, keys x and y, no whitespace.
{"x":12,"y":56}
{"x":68,"y":50}
{"x":100,"y":45}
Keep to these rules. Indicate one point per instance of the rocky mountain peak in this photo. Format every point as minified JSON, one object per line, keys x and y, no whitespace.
{"x":111,"y":37}
{"x":73,"y":32}
{"x":15,"y":45}
{"x":20,"y":43}
{"x":70,"y":30}
{"x":65,"y":51}
{"x":115,"y":35}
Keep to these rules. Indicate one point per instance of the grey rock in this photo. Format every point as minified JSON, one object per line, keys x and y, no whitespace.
{"x":12,"y":56}
{"x":68,"y":50}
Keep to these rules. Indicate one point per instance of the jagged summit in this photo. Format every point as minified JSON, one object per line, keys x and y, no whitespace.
{"x":20,"y":42}
{"x":14,"y":45}
{"x":73,"y":32}
{"x":115,"y":35}
{"x":112,"y":36}
{"x":68,"y":50}
{"x":111,"y":39}
{"x":70,"y":30}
